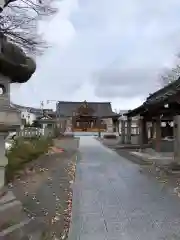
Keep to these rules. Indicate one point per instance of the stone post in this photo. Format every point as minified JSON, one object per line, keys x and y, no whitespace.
{"x":10,"y":120}
{"x":128,"y":137}
{"x":3,"y":161}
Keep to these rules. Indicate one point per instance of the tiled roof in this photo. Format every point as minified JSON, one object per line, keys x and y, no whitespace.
{"x":27,"y":108}
{"x":161,"y":96}
{"x":165,"y":93}
{"x":136,"y":111}
{"x":36,"y":111}
{"x":66,"y":108}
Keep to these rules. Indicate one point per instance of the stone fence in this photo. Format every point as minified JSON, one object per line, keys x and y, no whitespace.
{"x":35,"y":132}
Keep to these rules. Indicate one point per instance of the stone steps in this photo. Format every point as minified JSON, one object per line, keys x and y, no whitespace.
{"x":24,"y":230}
{"x":10,"y":209}
{"x":15,"y":223}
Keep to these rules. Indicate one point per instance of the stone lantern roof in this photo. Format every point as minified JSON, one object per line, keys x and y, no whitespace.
{"x":14,"y":63}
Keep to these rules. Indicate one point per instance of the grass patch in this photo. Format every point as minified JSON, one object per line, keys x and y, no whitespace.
{"x":24,"y":151}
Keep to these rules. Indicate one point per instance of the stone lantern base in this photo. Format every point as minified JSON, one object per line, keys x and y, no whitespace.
{"x":10,"y":120}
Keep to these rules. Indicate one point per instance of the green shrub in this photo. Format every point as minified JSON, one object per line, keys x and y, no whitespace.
{"x":24,"y":151}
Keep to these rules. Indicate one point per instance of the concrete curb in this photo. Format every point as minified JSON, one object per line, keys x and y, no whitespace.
{"x":73,"y":220}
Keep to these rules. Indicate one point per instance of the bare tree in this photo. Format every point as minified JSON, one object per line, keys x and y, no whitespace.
{"x":19,"y":20}
{"x":170,"y":75}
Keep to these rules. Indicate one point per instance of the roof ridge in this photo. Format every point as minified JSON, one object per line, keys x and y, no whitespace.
{"x":170,"y":85}
{"x":81,"y":102}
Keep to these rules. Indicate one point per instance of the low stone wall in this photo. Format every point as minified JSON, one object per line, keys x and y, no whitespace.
{"x":134,"y":139}
{"x":166,"y":146}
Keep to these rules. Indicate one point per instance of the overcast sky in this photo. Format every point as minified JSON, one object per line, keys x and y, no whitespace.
{"x":104,"y":50}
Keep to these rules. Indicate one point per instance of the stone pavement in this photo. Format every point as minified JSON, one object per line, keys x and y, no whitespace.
{"x":113,"y":200}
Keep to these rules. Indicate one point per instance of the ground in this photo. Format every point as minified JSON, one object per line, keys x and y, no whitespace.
{"x":46,"y":193}
{"x":113,"y":199}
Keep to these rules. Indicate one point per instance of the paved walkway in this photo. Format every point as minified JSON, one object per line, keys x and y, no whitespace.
{"x":114,"y":201}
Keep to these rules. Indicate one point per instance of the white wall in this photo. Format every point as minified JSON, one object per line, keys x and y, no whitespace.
{"x":30,"y":117}
{"x":134,"y":126}
{"x":109,"y":124}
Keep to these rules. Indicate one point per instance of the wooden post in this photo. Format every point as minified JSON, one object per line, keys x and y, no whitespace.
{"x":152,"y":129}
{"x":99,"y":127}
{"x":123,"y":131}
{"x":128,"y":137}
{"x":99,"y":123}
{"x":177,"y":138}
{"x":158,"y":134}
{"x":140,"y":133}
{"x":143,"y":138}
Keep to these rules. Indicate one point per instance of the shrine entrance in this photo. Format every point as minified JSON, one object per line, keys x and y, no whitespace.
{"x":85,"y":120}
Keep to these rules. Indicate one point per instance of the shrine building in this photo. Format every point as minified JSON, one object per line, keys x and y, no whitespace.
{"x":88,"y":116}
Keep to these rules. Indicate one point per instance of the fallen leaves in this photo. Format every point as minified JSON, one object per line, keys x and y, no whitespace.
{"x":57,"y":213}
{"x":53,"y":150}
{"x":177,"y":191}
{"x":55,"y":219}
{"x":43,"y":169}
{"x":34,"y":198}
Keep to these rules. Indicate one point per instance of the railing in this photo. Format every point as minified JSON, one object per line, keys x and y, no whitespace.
{"x":35,"y":132}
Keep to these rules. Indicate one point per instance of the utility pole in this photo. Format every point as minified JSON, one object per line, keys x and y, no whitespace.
{"x":49,"y":101}
{"x":42,"y":106}
{"x":58,"y":123}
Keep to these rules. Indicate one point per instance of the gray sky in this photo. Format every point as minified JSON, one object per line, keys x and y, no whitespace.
{"x":104,"y":50}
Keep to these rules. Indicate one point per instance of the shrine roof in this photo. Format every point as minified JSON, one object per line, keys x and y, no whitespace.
{"x":161,"y":96}
{"x":165,"y":93}
{"x":136,"y":111}
{"x":101,"y":109}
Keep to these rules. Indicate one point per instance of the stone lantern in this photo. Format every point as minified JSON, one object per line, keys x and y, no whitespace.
{"x":15,"y":67}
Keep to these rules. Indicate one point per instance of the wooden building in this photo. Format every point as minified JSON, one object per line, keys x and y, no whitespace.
{"x":47,"y":119}
{"x":87,"y":116}
{"x":161,"y":106}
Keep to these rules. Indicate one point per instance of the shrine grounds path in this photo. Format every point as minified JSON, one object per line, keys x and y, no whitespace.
{"x":113,"y":200}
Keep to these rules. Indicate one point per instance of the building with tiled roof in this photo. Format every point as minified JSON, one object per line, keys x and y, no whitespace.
{"x":87,"y":115}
